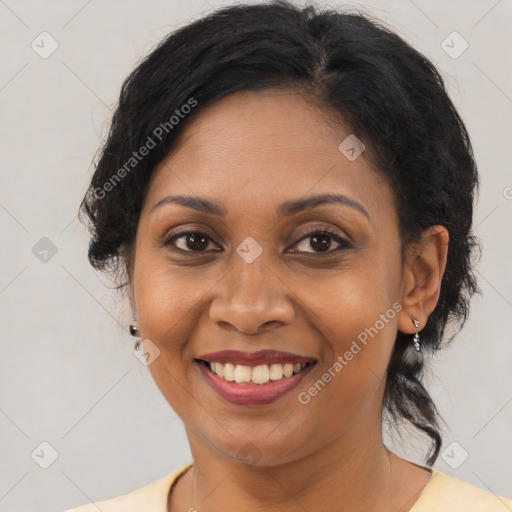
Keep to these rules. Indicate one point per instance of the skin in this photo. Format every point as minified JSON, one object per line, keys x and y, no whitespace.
{"x":249,"y":152}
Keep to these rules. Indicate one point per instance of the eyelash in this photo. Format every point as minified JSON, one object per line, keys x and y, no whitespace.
{"x":344,"y":244}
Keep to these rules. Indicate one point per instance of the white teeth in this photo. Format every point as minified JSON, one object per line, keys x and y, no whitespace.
{"x":242,"y":374}
{"x":276,"y":371}
{"x":219,"y":369}
{"x":260,"y":374}
{"x":255,"y":375}
{"x":228,"y":370}
{"x":288,"y":369}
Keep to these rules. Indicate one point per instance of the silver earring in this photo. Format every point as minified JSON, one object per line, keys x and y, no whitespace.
{"x":413,"y":356}
{"x":134,"y":331}
{"x":416,"y":339}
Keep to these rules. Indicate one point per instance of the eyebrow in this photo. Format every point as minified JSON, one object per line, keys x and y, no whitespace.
{"x":287,"y":208}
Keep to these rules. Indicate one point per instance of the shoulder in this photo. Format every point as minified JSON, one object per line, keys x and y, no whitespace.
{"x":445,"y":493}
{"x":150,"y":498}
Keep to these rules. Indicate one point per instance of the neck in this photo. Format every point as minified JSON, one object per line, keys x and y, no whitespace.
{"x":351,"y":473}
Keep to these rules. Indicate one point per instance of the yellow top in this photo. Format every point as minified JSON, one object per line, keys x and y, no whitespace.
{"x":443,"y":493}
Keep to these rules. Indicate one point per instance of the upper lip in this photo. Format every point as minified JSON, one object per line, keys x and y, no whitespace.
{"x":254,"y":358}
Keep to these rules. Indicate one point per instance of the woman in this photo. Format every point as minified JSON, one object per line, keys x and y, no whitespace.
{"x":286,"y":195}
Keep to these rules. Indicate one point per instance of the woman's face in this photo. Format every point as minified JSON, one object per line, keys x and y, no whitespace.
{"x":258,"y":281}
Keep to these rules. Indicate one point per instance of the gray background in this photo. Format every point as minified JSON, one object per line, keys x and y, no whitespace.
{"x":68,"y":375}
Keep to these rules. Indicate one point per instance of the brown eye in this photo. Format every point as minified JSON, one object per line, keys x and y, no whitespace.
{"x":195,"y":241}
{"x":321,"y":241}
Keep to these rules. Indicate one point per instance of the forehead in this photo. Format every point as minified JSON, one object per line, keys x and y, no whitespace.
{"x":269,"y":145}
{"x":250,"y":121}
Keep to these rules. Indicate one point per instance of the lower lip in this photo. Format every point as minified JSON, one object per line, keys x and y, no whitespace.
{"x":252,"y":394}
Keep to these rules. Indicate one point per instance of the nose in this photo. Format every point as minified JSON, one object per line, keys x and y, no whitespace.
{"x":251,"y":298}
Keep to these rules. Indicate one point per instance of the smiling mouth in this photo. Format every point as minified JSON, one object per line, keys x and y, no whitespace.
{"x":255,"y":375}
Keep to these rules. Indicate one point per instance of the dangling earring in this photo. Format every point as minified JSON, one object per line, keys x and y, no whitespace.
{"x":414,"y":355}
{"x":134,"y":331}
{"x":416,"y":339}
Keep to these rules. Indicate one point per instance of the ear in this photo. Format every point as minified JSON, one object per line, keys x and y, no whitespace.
{"x":424,"y":267}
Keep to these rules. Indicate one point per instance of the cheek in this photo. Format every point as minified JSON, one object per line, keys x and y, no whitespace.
{"x":357,"y":316}
{"x":167,"y":304}
{"x":357,"y":299}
